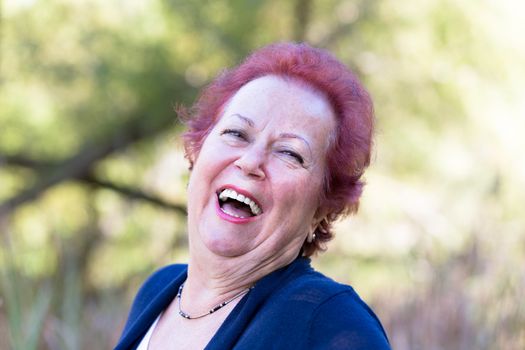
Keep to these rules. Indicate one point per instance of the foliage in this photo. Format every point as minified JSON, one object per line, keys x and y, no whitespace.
{"x":92,"y":176}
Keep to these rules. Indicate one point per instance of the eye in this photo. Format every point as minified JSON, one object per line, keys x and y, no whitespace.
{"x":234,"y":133}
{"x":297,"y":157}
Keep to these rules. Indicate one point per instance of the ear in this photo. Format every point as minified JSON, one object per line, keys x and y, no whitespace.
{"x":313,"y":226}
{"x":190,"y":156}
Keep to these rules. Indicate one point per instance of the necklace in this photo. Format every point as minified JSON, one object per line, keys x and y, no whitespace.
{"x":213,"y":309}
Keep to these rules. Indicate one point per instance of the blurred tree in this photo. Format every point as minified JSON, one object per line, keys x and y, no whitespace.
{"x":92,"y":177}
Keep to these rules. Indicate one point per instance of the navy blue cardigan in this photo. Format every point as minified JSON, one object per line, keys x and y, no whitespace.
{"x":294,"y":307}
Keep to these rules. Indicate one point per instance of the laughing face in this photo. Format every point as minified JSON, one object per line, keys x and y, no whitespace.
{"x":256,"y":181}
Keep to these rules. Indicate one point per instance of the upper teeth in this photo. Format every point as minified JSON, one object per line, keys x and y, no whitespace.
{"x":229,"y":193}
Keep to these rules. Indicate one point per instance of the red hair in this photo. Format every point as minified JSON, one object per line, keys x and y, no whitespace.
{"x":348,"y":154}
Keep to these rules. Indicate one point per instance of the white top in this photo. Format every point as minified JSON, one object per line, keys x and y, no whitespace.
{"x":144,"y":344}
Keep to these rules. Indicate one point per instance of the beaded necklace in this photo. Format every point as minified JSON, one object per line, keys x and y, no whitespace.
{"x":213,"y":309}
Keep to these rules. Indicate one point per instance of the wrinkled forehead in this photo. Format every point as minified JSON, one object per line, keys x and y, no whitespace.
{"x":273,"y":89}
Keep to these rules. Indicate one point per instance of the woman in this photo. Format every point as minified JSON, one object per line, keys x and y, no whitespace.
{"x":277,"y":147}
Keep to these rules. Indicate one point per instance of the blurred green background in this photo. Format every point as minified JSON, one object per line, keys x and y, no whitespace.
{"x":92,"y":176}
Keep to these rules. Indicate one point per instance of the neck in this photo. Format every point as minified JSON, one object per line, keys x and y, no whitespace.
{"x":222,"y":276}
{"x":208,"y":285}
{"x":213,"y":279}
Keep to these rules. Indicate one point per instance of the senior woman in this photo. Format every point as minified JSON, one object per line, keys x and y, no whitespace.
{"x":277,"y":147}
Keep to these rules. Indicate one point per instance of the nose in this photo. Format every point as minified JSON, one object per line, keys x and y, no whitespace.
{"x":251,"y":163}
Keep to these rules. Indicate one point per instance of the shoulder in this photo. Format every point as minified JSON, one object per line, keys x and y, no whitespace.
{"x":158,"y":279}
{"x":337,"y":318}
{"x":151,"y":288}
{"x":150,"y":300}
{"x":341,"y":319}
{"x":344,"y":321}
{"x":312,"y":287}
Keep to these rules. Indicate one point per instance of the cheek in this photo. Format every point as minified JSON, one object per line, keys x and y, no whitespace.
{"x":300,"y":194}
{"x":195,"y":193}
{"x":211,"y":161}
{"x":207,"y":161}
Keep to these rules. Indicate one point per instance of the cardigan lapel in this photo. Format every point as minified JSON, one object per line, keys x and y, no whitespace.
{"x":238,"y":320}
{"x":234,"y":325}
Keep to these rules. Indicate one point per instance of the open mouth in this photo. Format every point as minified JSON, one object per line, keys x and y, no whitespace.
{"x":237,"y":205}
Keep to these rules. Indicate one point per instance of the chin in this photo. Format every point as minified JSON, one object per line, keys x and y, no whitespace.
{"x":222,"y":245}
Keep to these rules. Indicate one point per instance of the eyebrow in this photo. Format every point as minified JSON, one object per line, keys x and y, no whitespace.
{"x":245,"y":119}
{"x":285,"y":135}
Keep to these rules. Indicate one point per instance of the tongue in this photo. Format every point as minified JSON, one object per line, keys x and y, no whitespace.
{"x":236,"y":208}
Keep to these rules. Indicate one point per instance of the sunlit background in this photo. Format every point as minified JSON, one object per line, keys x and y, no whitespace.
{"x":92,"y":176}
